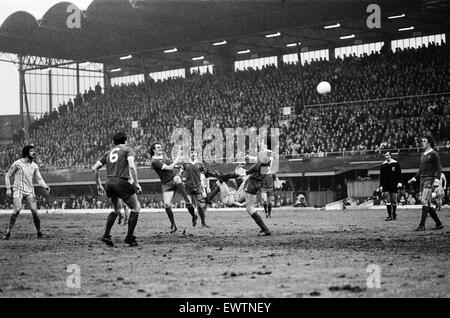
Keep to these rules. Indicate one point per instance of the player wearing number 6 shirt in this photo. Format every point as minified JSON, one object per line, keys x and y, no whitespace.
{"x":24,"y":170}
{"x":120,"y":167}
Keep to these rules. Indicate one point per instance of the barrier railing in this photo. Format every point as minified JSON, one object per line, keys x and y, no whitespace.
{"x":377,"y":152}
{"x":379,"y":100}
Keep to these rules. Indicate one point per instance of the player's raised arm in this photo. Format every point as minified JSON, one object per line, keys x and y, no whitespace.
{"x":173,"y":165}
{"x":12,"y":170}
{"x":41,"y":181}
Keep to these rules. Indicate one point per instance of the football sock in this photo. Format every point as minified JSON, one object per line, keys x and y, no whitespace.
{"x":434,"y":216}
{"x":265,"y":207}
{"x":109,"y":223}
{"x":201,"y":212}
{"x":213,"y":193}
{"x":37,"y":221}
{"x":389,"y":209}
{"x":260,"y":222}
{"x":424,"y":216}
{"x":191,"y":210}
{"x":170,"y":215}
{"x":12,"y":221}
{"x":132,"y":221}
{"x":394,"y":209}
{"x":269,"y":208}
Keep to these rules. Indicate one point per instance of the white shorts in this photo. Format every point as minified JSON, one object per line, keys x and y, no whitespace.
{"x":20,"y":194}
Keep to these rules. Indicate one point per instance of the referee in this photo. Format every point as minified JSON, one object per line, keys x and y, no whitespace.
{"x":390,"y":181}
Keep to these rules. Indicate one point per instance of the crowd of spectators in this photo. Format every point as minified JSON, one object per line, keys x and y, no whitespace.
{"x":80,"y":132}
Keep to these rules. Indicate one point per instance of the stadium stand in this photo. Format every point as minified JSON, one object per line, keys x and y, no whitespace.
{"x":356,"y":116}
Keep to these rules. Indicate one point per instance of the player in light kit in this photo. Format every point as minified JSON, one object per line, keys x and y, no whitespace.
{"x":390,"y":181}
{"x":429,"y":174}
{"x":440,"y":192}
{"x":24,"y":170}
{"x":234,"y":197}
{"x":193,"y":184}
{"x":120,"y":167}
{"x":170,"y":175}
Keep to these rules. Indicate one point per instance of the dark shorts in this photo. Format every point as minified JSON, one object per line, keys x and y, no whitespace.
{"x":119,"y":188}
{"x":390,"y":189}
{"x":253,"y":186}
{"x":269,"y":190}
{"x":426,"y":183}
{"x":169,"y":186}
{"x":197,"y":192}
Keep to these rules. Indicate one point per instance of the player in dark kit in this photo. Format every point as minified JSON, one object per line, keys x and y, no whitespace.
{"x":429,"y":174}
{"x":193,"y":184}
{"x":254,"y":184}
{"x":120,"y":167}
{"x":270,"y":182}
{"x":390,"y":181}
{"x":170,"y":175}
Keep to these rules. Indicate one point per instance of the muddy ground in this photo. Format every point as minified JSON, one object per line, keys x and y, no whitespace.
{"x":311,"y":254}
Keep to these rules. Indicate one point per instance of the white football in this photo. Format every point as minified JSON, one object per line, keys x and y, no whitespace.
{"x":264,"y":156}
{"x":323,"y":88}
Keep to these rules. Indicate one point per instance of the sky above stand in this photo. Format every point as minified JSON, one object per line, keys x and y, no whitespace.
{"x":9,"y":76}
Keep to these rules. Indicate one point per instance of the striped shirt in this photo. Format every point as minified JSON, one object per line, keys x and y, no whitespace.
{"x":23,"y":173}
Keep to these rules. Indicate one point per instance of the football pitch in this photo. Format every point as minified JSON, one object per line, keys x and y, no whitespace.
{"x":312,"y":253}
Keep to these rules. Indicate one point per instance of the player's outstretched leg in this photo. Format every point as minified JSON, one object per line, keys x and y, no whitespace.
{"x":214,"y":191}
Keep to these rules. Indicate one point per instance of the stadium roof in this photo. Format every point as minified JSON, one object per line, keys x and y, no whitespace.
{"x":145,"y":28}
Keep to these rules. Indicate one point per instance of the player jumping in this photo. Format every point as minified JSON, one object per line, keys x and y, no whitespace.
{"x":120,"y":165}
{"x":254,"y":184}
{"x":193,"y":184}
{"x":23,"y":171}
{"x":169,"y":173}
